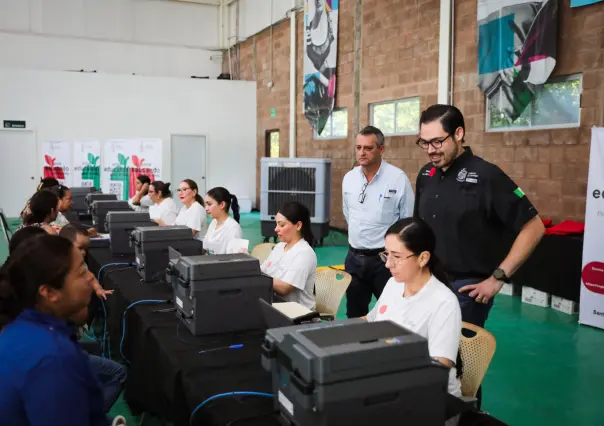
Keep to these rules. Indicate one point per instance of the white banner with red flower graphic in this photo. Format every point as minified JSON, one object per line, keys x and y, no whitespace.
{"x":56,"y":161}
{"x":591,"y":310}
{"x":126,"y":159}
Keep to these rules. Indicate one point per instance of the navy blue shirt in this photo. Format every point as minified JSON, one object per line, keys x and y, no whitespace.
{"x":45,"y":377}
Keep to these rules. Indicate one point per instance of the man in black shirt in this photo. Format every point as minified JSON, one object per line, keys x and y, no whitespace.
{"x":471,"y":205}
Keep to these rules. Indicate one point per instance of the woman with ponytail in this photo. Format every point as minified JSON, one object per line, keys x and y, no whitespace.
{"x":223,"y":229}
{"x":45,"y":183}
{"x":293,"y":263}
{"x":417,"y":296}
{"x":164,"y":210}
{"x":192,"y":214}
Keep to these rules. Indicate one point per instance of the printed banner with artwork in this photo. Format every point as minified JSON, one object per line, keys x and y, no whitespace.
{"x":126,"y":159}
{"x":516,"y":51}
{"x":577,"y":3}
{"x":56,"y":161}
{"x":87,"y":164}
{"x":591,"y":307}
{"x":320,"y":59}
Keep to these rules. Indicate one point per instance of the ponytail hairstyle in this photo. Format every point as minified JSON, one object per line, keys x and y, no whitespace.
{"x":222,"y":195}
{"x":193,"y":186}
{"x":162,"y":188}
{"x":41,"y":206}
{"x":45,"y":260}
{"x":418,"y":238}
{"x":296,"y":212}
{"x":47,"y":183}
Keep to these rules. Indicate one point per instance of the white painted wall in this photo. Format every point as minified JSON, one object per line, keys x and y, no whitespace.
{"x":68,"y":106}
{"x":146,"y":37}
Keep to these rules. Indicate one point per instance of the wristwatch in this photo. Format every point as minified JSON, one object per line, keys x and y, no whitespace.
{"x":499,"y":275}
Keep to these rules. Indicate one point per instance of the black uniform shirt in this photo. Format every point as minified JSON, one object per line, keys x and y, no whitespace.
{"x":471,"y":208}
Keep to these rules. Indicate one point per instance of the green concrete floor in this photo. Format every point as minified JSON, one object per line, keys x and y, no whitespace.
{"x":547,"y":369}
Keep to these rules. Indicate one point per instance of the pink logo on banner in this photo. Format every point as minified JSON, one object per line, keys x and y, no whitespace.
{"x":593,"y":277}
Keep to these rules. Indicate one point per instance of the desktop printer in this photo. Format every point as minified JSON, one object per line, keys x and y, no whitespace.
{"x":219,"y":294}
{"x":99,"y":210}
{"x":98,"y":196}
{"x":78,"y":196}
{"x":151,"y":246}
{"x":120,"y":225}
{"x":353,"y":373}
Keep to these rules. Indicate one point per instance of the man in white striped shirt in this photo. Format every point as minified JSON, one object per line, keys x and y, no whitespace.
{"x":375,"y":195}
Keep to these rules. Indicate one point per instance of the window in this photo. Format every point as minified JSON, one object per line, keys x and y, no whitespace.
{"x":400,"y":117}
{"x":557,"y":104}
{"x":272,"y":144}
{"x":336,"y":126}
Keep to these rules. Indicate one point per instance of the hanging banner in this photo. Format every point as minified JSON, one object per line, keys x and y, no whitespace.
{"x":320,"y":59}
{"x":56,"y":161}
{"x":87,"y":164}
{"x":516,"y":51}
{"x":591,"y":307}
{"x":578,"y":3}
{"x":126,"y":159}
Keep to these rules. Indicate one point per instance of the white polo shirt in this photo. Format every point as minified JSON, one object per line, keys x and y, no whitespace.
{"x":166,"y":211}
{"x":296,"y":267}
{"x":388,"y":198}
{"x":194,"y":217}
{"x":433,"y":313}
{"x":216,"y":240}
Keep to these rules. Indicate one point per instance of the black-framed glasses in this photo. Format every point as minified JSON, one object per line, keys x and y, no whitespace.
{"x":395,"y":260}
{"x":436,"y":143}
{"x":362,"y":194}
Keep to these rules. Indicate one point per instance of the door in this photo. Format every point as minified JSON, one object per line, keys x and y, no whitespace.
{"x":188,"y":161}
{"x":18,"y":170}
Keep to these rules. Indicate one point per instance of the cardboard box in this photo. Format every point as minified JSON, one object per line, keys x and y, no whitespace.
{"x":510,"y":289}
{"x":564,"y":305}
{"x":536,"y":297}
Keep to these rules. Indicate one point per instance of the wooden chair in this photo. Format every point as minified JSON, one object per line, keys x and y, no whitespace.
{"x":330,"y":287}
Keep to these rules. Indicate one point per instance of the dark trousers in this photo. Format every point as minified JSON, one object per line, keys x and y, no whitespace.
{"x":471,"y":311}
{"x":112,"y":376}
{"x":369,"y":277}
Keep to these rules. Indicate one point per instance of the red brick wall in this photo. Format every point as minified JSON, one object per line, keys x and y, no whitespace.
{"x":399,"y":58}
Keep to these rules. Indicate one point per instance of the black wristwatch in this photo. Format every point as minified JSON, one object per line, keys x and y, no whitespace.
{"x":499,"y":275}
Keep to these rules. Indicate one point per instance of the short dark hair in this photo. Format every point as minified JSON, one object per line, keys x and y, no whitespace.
{"x":370,"y":130}
{"x":72,"y":230}
{"x":23,"y":235}
{"x":450,"y":117}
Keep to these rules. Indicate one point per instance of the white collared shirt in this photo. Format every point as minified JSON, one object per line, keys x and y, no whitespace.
{"x":216,"y":240}
{"x":195,"y":218}
{"x":388,"y":198}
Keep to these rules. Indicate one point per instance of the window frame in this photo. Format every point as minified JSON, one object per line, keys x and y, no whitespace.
{"x":331,"y":136}
{"x":396,"y":102}
{"x":555,"y":79}
{"x":268,"y":143}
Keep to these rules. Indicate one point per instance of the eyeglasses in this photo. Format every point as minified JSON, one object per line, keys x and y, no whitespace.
{"x":436,"y":143}
{"x":393,"y":260}
{"x":182,"y":189}
{"x":362,"y":194}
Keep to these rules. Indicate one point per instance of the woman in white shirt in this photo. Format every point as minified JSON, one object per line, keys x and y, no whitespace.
{"x":192,"y":214}
{"x":223,"y":229}
{"x":164,"y":210}
{"x":141,"y":200}
{"x":416,"y":298}
{"x":293,"y":263}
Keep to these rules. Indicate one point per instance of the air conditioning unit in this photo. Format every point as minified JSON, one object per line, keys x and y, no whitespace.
{"x":305,"y":180}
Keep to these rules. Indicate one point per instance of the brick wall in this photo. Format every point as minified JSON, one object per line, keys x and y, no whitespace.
{"x":399,"y":58}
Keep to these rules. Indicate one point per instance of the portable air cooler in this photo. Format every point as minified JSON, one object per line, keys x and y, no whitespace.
{"x":305,"y":180}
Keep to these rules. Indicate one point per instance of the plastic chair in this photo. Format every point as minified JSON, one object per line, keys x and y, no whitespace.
{"x":263,"y":251}
{"x":476,"y":354}
{"x":330,"y":287}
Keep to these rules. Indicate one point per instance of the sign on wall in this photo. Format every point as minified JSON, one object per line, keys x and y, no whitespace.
{"x":320,"y":60}
{"x":591,"y":309}
{"x":56,"y":161}
{"x":126,"y":159}
{"x":87,"y":164}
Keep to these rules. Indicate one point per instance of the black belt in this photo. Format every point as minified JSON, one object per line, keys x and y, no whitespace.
{"x":366,"y":252}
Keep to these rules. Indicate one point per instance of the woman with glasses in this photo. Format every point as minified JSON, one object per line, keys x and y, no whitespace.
{"x":192,"y":213}
{"x":416,"y":297}
{"x":164,"y":210}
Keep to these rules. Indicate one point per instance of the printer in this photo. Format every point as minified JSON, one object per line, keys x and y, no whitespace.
{"x":98,"y":196}
{"x":78,"y":196}
{"x":120,"y":225}
{"x":99,"y":210}
{"x":219,"y":294}
{"x":353,"y":373}
{"x":152,"y":244}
